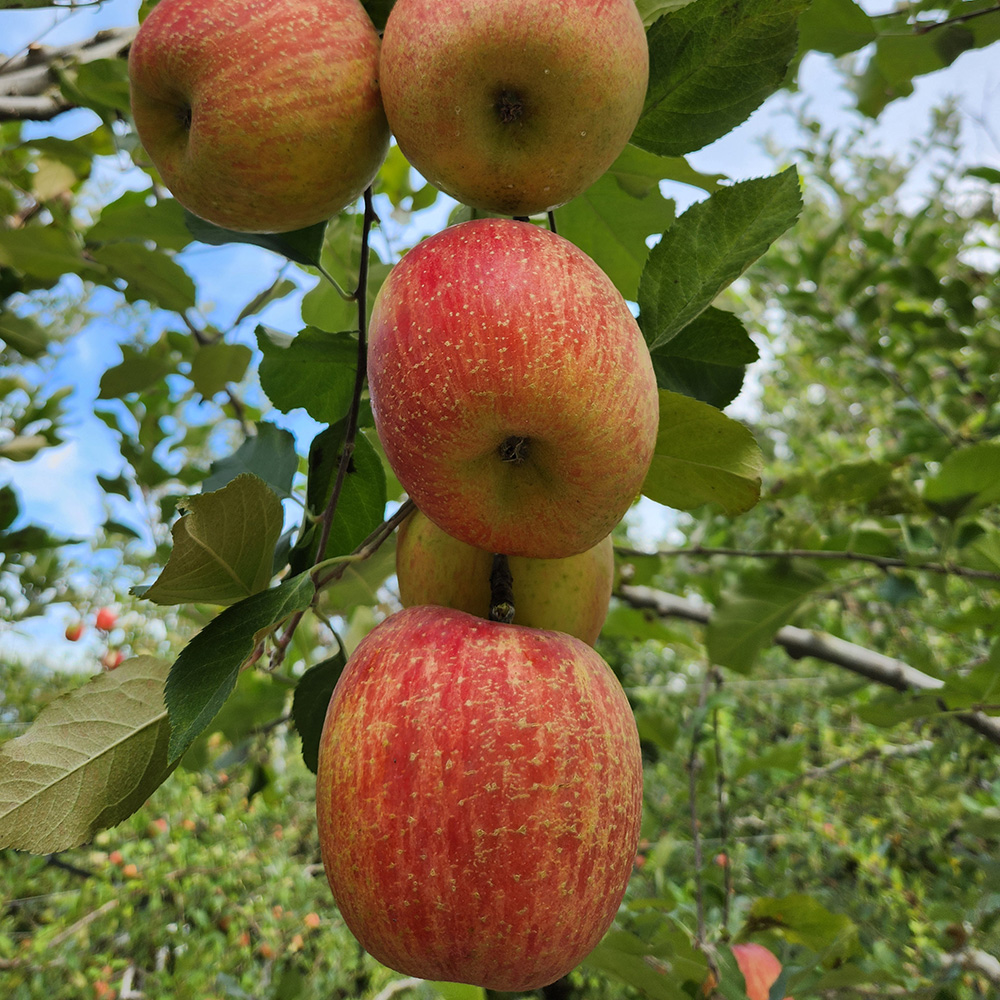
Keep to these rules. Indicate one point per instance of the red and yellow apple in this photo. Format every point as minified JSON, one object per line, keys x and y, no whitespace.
{"x":513,"y":106}
{"x":260,"y":115}
{"x":511,"y":388}
{"x":565,"y":595}
{"x":478,"y":797}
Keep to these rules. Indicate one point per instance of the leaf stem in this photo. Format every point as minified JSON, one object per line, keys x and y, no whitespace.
{"x":350,"y":434}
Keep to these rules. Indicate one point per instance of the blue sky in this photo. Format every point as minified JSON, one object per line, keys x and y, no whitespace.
{"x":228,"y":277}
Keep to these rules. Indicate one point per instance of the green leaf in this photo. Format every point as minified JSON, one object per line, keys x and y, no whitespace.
{"x":91,"y":758}
{"x":40,"y":252}
{"x":215,"y":365}
{"x":205,"y":673}
{"x":990,"y":174}
{"x":707,"y":359}
{"x":150,"y":275}
{"x":800,"y":919}
{"x":312,"y":696}
{"x":134,"y":374}
{"x":784,"y":757}
{"x":131,"y":218}
{"x":968,"y":480}
{"x":611,"y":220}
{"x":458,"y":991}
{"x":279,"y":288}
{"x":710,"y":246}
{"x":702,"y":456}
{"x":650,"y":10}
{"x":101,"y":84}
{"x":303,"y":246}
{"x":23,"y":334}
{"x":9,"y":507}
{"x":314,"y":370}
{"x":269,"y":455}
{"x":711,"y":64}
{"x":223,"y":545}
{"x":834,"y":26}
{"x":746,"y":620}
{"x":258,"y":699}
{"x":626,"y":957}
{"x":360,"y":507}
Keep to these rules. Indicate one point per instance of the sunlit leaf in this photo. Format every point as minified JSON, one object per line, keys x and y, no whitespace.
{"x":710,"y":246}
{"x":91,"y":758}
{"x":223,"y":545}
{"x":702,"y":456}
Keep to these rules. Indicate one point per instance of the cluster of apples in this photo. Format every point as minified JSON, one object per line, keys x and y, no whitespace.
{"x":479,"y":785}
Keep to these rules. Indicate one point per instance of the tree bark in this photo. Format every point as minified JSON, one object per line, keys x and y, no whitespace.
{"x":29,"y":83}
{"x":799,"y":643}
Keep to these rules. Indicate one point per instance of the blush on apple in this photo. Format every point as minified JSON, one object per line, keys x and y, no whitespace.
{"x":513,"y":106}
{"x":511,"y":388}
{"x":478,"y":797}
{"x":566,"y":595}
{"x":260,"y":115}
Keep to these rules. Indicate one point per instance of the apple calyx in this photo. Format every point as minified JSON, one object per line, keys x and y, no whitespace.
{"x":515,"y":450}
{"x":509,"y":106}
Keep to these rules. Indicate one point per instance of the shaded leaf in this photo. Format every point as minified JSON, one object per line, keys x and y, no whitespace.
{"x":269,"y":455}
{"x":279,"y":288}
{"x":710,"y":246}
{"x":803,"y":920}
{"x":314,"y":370}
{"x":205,"y":673}
{"x":91,"y":758}
{"x":707,"y":360}
{"x":149,"y":275}
{"x":834,"y":26}
{"x":312,"y":697}
{"x":968,"y":480}
{"x":612,"y":219}
{"x":360,"y":506}
{"x":132,"y":219}
{"x":746,"y":620}
{"x":134,"y":374}
{"x":223,"y":545}
{"x":303,"y":246}
{"x":216,"y":365}
{"x":702,"y":456}
{"x":23,"y":334}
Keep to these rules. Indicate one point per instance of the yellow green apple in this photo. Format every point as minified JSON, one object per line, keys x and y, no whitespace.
{"x":565,"y":595}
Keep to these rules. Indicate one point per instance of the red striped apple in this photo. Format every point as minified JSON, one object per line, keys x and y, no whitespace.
{"x":513,"y":106}
{"x":512,"y":390}
{"x":566,"y":595}
{"x":260,"y":115}
{"x":478,"y":798}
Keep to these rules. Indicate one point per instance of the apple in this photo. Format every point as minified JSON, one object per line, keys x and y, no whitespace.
{"x":511,"y":388}
{"x":106,"y":619}
{"x":760,"y":968}
{"x":513,"y":106}
{"x":260,"y":115}
{"x":112,"y":659}
{"x":478,"y":797}
{"x":74,"y":631}
{"x":566,"y":595}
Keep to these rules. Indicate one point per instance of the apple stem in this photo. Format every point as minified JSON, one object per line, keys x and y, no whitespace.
{"x":552,"y":222}
{"x":501,"y":591}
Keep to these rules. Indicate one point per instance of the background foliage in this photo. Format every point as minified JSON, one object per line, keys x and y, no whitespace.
{"x":846,"y":821}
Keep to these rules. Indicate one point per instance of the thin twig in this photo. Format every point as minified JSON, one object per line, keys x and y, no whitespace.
{"x":722,"y":807}
{"x":350,"y":434}
{"x":923,"y":29}
{"x":694,"y":765}
{"x":882,"y":562}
